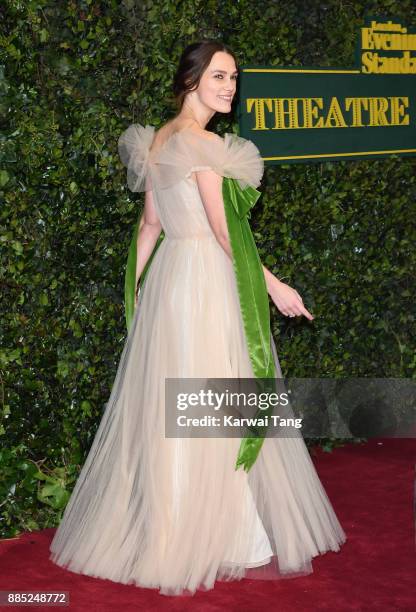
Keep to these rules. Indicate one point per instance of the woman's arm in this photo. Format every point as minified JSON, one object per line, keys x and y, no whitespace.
{"x":287,"y":300}
{"x":147,"y":235}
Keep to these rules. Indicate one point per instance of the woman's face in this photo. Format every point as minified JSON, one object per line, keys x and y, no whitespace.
{"x":218,"y":83}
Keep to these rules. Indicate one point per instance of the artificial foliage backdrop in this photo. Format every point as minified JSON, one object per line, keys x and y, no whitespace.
{"x":73,"y":76}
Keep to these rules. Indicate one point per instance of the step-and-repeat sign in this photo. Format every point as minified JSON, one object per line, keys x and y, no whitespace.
{"x":315,"y":113}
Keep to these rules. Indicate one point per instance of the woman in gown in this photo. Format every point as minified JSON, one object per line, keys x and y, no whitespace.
{"x":174,"y":513}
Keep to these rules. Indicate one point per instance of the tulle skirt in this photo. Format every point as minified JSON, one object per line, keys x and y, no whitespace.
{"x":173,"y":513}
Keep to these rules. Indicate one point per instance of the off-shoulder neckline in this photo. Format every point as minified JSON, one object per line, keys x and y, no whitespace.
{"x":154,"y":156}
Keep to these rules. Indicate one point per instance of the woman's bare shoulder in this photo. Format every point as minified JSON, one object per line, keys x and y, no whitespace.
{"x":204,"y":133}
{"x":177,"y":125}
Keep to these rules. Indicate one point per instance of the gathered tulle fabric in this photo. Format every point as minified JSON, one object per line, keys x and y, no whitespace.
{"x":134,"y":148}
{"x":173,"y":513}
{"x":184,"y":152}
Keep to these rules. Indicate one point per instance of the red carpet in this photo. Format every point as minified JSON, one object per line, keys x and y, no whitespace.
{"x":371,"y":487}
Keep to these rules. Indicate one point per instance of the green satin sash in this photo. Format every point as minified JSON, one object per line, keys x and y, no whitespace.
{"x":253,"y":298}
{"x":254,"y":303}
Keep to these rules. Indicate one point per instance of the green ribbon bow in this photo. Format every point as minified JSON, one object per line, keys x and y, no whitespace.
{"x":253,"y":298}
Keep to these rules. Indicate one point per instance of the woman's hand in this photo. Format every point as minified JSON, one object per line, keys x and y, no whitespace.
{"x":287,"y":300}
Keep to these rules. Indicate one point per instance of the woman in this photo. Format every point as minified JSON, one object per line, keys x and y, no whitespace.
{"x":174,"y":513}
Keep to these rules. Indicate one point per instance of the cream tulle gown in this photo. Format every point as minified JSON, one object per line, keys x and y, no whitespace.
{"x":174,"y":514}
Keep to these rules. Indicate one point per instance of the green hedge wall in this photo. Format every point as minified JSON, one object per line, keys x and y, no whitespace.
{"x":73,"y":76}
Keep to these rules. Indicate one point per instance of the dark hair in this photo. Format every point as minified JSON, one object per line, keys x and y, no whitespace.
{"x":193,"y":62}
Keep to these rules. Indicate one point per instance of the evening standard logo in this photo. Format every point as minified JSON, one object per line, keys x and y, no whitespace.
{"x":387,"y":48}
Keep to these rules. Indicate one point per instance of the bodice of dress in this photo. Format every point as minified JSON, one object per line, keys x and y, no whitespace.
{"x":167,"y":172}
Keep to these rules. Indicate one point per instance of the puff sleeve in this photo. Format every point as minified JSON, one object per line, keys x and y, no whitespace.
{"x":134,"y":147}
{"x":187,"y":151}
